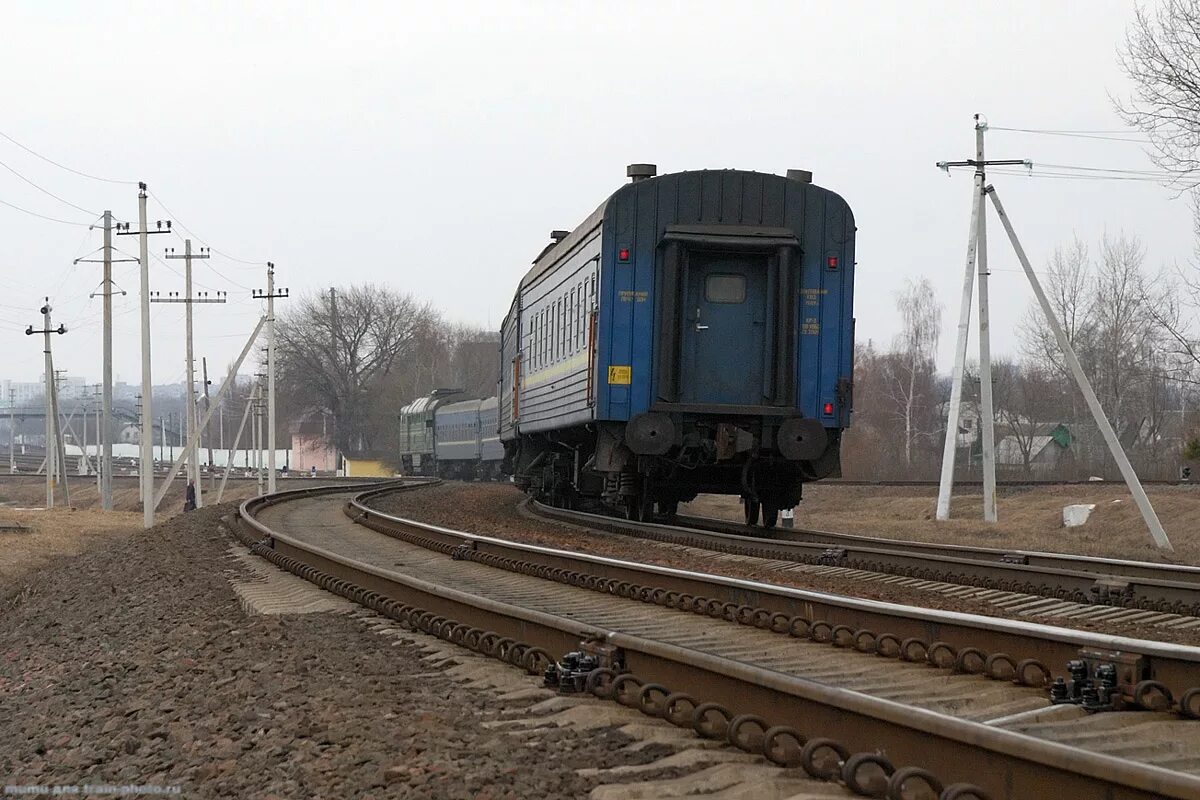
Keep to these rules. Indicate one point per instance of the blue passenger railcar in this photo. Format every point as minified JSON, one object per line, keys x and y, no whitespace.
{"x":466,"y":441}
{"x":694,"y":334}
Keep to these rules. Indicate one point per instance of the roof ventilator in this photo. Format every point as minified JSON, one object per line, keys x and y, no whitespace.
{"x":639,"y":172}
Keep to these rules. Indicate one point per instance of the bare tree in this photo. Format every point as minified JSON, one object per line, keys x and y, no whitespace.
{"x":1066,"y":284}
{"x":335,"y":355}
{"x":1161,"y":56}
{"x":910,"y":371}
{"x":1026,"y":401}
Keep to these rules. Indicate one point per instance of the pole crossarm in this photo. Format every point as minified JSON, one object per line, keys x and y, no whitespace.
{"x":172,"y":297}
{"x":999,"y":162}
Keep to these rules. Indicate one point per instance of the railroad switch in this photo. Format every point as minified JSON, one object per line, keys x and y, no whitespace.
{"x":1099,"y":681}
{"x":569,"y":676}
{"x":832,"y":557}
{"x":1111,"y":590}
{"x":460,"y":553}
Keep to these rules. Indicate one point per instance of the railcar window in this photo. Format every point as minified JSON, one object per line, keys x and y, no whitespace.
{"x":725,"y":288}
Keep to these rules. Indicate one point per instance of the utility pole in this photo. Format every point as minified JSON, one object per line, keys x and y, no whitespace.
{"x":60,"y":450}
{"x":978,"y":239}
{"x":12,"y":431}
{"x":270,"y":296}
{"x":101,"y":471}
{"x":230,"y":379}
{"x":83,"y":461}
{"x":51,"y":406}
{"x":976,"y":255}
{"x":147,"y":447}
{"x":207,"y":427}
{"x":141,"y":434}
{"x":258,"y":435}
{"x":104,"y":461}
{"x":189,"y":300}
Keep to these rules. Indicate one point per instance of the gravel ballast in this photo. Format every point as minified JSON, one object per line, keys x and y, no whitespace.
{"x":135,"y":664}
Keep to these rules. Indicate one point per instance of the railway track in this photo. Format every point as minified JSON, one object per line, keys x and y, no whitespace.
{"x":796,"y":676}
{"x":1085,"y":587}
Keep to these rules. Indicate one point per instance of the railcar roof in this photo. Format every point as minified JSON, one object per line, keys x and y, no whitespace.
{"x":461,"y":405}
{"x":554,"y":252}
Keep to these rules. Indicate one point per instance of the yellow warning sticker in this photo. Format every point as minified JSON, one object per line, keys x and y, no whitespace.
{"x":620,"y":376}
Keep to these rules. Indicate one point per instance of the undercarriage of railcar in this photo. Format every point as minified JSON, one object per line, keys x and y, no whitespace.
{"x":595,"y":467}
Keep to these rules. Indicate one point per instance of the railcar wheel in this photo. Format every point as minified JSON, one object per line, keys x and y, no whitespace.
{"x":667,"y":510}
{"x":750,"y":508}
{"x":770,"y":516}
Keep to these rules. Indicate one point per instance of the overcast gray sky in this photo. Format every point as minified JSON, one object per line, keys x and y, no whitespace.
{"x":432,"y":147}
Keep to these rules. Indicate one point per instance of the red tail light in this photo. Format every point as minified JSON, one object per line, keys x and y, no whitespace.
{"x":829,"y":409}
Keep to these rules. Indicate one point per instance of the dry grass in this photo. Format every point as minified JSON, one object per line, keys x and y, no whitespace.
{"x":1030,"y":518}
{"x":69,"y":531}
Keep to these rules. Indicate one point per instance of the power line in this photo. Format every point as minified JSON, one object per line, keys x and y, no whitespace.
{"x":47,"y":191}
{"x":63,"y":166}
{"x":200,"y":239}
{"x":1109,"y":136}
{"x":1035,"y":173}
{"x":1153,"y":172}
{"x":43,"y":216}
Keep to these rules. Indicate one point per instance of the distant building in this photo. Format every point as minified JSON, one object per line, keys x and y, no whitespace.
{"x":312,"y":446}
{"x":367,"y":468}
{"x":1048,"y":446}
{"x":21,"y":393}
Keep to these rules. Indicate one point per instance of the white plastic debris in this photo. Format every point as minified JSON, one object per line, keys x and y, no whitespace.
{"x":1076,"y":515}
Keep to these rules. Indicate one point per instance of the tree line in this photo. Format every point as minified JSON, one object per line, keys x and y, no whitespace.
{"x":355,"y":355}
{"x":1129,"y":329}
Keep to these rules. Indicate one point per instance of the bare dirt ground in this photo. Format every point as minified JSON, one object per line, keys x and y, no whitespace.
{"x":492,"y":509}
{"x":134,"y":663}
{"x":1029,"y":518}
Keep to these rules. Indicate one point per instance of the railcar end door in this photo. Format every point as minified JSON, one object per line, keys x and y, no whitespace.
{"x":724,"y":329}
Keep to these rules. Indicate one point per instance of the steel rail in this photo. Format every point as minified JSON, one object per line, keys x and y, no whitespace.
{"x":1007,"y":765}
{"x":1012,"y":642}
{"x":1163,"y":588}
{"x":1095,"y":565}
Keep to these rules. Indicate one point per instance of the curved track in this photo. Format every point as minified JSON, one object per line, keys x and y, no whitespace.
{"x":759,"y":650}
{"x":1170,"y":590}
